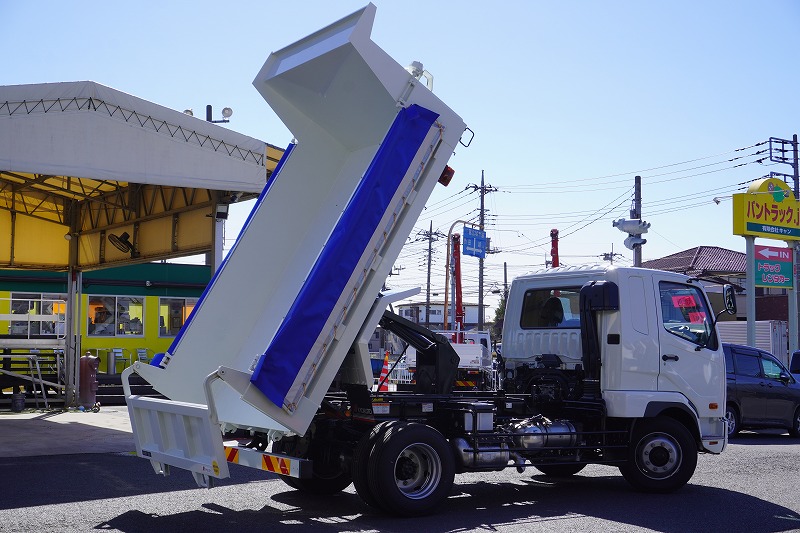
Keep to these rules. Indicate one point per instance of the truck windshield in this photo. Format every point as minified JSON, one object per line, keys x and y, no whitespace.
{"x":685,"y":313}
{"x":551,"y":308}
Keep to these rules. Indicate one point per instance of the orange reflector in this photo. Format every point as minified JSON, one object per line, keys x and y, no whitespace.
{"x":713,"y":405}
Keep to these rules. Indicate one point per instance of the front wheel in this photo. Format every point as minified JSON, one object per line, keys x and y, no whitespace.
{"x":411,"y":469}
{"x":662,"y":456}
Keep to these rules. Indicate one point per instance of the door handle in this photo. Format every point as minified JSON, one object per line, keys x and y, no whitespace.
{"x":669,"y":357}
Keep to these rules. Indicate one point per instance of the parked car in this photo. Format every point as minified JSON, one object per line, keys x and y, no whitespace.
{"x":761,"y":391}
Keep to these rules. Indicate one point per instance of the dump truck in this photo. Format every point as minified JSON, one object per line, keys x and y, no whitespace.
{"x":613,"y":366}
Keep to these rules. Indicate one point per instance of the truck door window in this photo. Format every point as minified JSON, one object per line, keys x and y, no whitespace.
{"x":551,"y":308}
{"x":685,"y":313}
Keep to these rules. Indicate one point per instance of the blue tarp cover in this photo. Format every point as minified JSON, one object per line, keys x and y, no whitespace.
{"x":279,"y":366}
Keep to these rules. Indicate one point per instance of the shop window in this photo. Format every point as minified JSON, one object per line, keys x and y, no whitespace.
{"x":25,"y":304}
{"x":113,"y":316}
{"x":173,"y":313}
{"x":43,"y":314}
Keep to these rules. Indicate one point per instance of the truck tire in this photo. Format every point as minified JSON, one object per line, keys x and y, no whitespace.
{"x":411,"y":469}
{"x":662,"y":456}
{"x":732,"y":414}
{"x":560,"y":470}
{"x":359,"y":470}
{"x":325,"y":479}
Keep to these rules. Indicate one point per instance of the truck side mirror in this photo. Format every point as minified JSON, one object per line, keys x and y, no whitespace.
{"x":729,"y":297}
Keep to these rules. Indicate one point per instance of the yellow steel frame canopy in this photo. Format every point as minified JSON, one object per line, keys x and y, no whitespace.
{"x":81,"y":162}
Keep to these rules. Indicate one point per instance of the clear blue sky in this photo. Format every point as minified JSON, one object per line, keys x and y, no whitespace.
{"x":568,"y":102}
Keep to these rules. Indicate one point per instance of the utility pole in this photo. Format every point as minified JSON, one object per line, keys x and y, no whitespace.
{"x":505,"y":279}
{"x":634,"y":227}
{"x":794,"y":342}
{"x":636,"y":214}
{"x":609,"y":256}
{"x":481,"y":316}
{"x":779,"y":153}
{"x":483,"y":189}
{"x":431,"y":236}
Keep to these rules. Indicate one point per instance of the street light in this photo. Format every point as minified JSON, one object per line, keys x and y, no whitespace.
{"x":226,"y":114}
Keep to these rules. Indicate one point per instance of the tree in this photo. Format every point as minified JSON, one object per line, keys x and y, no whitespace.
{"x":499,"y":313}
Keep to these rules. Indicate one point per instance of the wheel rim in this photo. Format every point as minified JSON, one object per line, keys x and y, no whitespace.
{"x":658,"y":456}
{"x":731,"y":416}
{"x":418,"y":471}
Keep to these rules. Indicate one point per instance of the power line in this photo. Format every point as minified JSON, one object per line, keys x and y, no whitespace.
{"x":642,"y":171}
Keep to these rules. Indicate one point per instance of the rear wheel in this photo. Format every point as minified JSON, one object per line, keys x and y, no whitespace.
{"x":560,"y":470}
{"x":662,"y":456}
{"x":359,"y":470}
{"x":327,"y":475}
{"x":732,"y":414}
{"x":411,"y":469}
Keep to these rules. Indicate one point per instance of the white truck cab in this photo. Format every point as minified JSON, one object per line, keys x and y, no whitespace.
{"x":656,"y":348}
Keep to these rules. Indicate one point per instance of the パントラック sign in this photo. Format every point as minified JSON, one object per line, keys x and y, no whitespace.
{"x":768,"y":209}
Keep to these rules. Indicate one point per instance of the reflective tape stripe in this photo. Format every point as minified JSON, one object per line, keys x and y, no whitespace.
{"x":278,"y":464}
{"x":275,"y":464}
{"x":232,"y":454}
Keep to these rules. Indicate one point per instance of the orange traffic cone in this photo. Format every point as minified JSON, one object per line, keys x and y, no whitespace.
{"x":383,"y":381}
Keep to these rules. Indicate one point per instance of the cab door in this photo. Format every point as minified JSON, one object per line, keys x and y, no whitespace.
{"x":690,"y":361}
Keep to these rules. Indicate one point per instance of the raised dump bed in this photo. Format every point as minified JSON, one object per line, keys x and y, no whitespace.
{"x":298,"y":290}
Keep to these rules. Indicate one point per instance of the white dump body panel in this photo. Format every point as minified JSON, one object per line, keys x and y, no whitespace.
{"x":342,"y":97}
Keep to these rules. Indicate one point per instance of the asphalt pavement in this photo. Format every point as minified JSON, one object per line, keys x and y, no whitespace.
{"x":36,"y":432}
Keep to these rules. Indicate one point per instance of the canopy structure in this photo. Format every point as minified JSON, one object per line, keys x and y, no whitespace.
{"x":91,"y":177}
{"x":83,"y":166}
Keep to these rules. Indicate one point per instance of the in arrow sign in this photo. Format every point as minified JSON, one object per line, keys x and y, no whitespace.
{"x":766,"y":252}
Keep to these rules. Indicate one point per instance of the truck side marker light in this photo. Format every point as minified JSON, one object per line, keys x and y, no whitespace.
{"x":713,"y":406}
{"x":447,"y":175}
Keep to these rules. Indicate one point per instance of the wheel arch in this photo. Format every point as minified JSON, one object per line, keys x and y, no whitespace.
{"x":677,"y":411}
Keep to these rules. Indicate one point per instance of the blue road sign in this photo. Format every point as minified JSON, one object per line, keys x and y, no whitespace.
{"x":474,"y":242}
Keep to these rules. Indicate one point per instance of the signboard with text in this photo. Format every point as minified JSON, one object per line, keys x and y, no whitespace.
{"x":773,"y":267}
{"x":768,"y":209}
{"x":474,"y":242}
